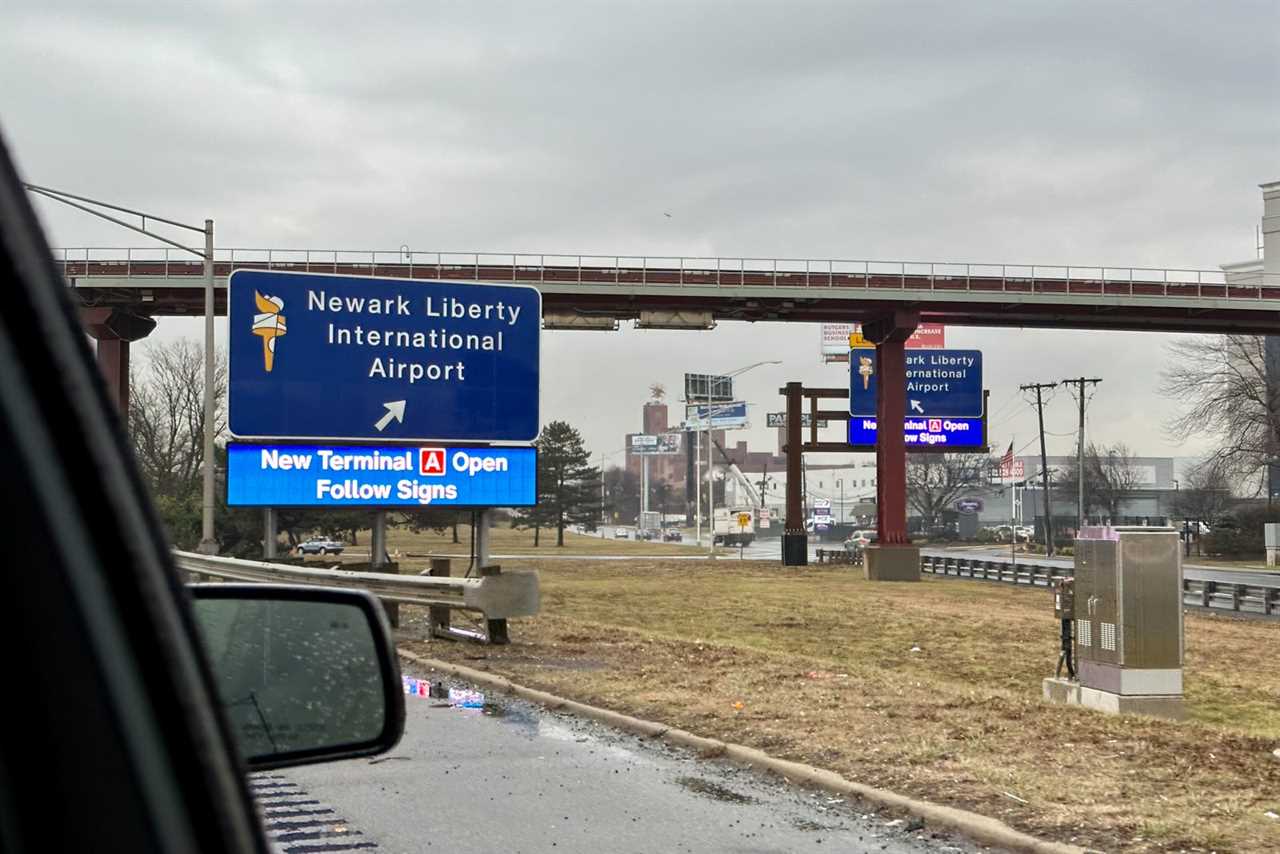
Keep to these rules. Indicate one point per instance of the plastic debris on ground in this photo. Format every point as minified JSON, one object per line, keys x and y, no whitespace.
{"x":457,"y":697}
{"x":464,"y":699}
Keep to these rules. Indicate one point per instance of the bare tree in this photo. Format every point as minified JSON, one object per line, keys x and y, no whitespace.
{"x":166,"y":414}
{"x":935,"y":481}
{"x":1114,"y":475}
{"x":1207,"y":495}
{"x":1221,"y":380}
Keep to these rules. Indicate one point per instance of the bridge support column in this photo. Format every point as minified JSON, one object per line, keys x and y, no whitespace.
{"x":114,"y":329}
{"x":795,"y":541}
{"x":892,"y":557}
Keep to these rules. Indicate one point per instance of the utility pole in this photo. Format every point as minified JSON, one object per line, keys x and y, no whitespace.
{"x":1080,"y":384}
{"x":1040,"y":388}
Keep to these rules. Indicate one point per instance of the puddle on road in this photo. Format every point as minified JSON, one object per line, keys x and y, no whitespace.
{"x":713,"y":790}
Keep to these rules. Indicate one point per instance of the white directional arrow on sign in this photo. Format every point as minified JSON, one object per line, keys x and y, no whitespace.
{"x":395,"y":409}
{"x":915,"y":404}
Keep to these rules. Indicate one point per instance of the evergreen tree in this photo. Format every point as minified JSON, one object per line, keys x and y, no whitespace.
{"x":568,"y":485}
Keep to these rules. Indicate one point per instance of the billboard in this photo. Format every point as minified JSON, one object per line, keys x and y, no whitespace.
{"x":779,"y":419}
{"x":1014,"y":469}
{"x":712,"y":388}
{"x":838,"y":338}
{"x":651,"y":444}
{"x":380,"y":476}
{"x":723,"y":416}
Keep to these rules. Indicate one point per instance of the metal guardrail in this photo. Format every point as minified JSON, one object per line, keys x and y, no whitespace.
{"x":510,"y":593}
{"x":1246,"y":599}
{"x":131,"y":262}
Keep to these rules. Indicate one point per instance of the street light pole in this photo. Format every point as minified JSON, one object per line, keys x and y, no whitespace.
{"x":711,"y":486}
{"x":208,"y":542}
{"x":711,"y":482}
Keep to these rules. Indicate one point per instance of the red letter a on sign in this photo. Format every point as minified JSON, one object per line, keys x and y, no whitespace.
{"x":431,"y":461}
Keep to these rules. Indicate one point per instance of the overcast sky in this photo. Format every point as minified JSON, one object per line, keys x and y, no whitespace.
{"x":1127,"y":134}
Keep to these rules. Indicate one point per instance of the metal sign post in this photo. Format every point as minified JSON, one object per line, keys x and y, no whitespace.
{"x":269,"y":533}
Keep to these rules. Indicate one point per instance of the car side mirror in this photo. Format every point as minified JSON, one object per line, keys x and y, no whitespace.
{"x":304,"y":674}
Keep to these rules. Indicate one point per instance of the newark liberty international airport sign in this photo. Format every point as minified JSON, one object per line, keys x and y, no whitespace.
{"x":340,"y":358}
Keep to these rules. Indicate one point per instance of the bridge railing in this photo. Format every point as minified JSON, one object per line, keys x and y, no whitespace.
{"x":1252,"y":599}
{"x":682,"y":271}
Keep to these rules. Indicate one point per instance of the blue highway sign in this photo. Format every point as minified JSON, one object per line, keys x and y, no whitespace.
{"x":940,"y":383}
{"x":383,"y":476}
{"x":961,"y":434}
{"x":325,"y":357}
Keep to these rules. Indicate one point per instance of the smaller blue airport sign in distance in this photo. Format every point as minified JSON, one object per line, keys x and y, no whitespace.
{"x":334,"y":358}
{"x":723,"y":415}
{"x":387,"y":476}
{"x":961,"y":434}
{"x":940,"y":383}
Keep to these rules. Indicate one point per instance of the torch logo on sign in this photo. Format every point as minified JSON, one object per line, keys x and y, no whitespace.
{"x":865,"y":370}
{"x":268,"y":324}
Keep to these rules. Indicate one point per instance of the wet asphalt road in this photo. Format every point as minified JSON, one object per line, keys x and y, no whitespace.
{"x":515,"y":778}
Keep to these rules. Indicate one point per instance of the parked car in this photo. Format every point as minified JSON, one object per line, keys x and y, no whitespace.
{"x":321,"y":547}
{"x":672,"y":537}
{"x":621,"y":533}
{"x":1004,"y":533}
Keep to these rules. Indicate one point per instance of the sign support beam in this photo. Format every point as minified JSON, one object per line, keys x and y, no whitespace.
{"x":892,"y":557}
{"x":795,"y":541}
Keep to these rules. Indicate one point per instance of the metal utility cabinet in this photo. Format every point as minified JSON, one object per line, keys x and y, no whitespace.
{"x":1128,"y":621}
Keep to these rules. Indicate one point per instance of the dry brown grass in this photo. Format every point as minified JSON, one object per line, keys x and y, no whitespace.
{"x":820,"y":662}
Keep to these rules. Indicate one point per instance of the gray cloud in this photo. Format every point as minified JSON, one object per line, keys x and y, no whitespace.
{"x":1081,"y":133}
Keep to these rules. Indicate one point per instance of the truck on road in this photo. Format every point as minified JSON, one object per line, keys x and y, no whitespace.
{"x":727,"y":528}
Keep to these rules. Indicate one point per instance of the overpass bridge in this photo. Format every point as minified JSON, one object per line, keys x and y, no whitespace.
{"x":122,"y":290}
{"x":696,"y":292}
